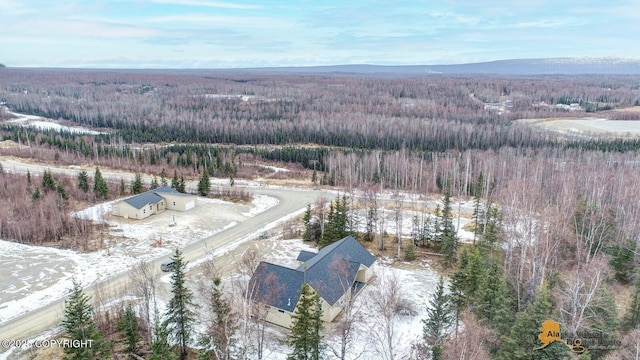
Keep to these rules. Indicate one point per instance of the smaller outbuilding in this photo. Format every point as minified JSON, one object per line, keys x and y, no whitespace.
{"x":154,"y":201}
{"x":336,"y":272}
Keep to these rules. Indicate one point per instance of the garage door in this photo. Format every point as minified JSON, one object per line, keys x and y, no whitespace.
{"x":190,"y":205}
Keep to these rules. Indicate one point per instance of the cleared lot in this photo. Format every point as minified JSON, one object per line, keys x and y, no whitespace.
{"x":588,"y":126}
{"x":39,"y":275}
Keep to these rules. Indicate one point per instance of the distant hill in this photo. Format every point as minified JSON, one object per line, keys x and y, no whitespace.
{"x":568,"y":66}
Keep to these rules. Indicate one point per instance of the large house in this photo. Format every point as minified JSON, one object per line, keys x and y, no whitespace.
{"x":335,"y":272}
{"x":154,"y":201}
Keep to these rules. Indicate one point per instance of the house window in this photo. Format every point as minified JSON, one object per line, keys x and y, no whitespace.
{"x":150,"y":207}
{"x":144,"y":211}
{"x":174,"y":203}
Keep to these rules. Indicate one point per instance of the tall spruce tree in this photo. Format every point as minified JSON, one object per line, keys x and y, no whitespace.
{"x":175,"y":180}
{"x":478,"y":213}
{"x":80,"y":326}
{"x":163,"y":178}
{"x":83,"y":181}
{"x":336,"y":226}
{"x":154,"y":183}
{"x":100,"y":187}
{"x":136,"y":185}
{"x":632,"y":317}
{"x":522,"y":341}
{"x":439,"y":319}
{"x":466,"y":279}
{"x":204,"y":186}
{"x":129,"y":326}
{"x":306,"y":220}
{"x":160,"y":348}
{"x":47,"y":181}
{"x":181,"y":185}
{"x":492,"y":302}
{"x":180,"y":316}
{"x":218,"y":339}
{"x":305,"y":338}
{"x":448,"y":238}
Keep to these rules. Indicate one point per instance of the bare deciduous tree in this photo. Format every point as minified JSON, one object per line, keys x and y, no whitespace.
{"x":143,"y":281}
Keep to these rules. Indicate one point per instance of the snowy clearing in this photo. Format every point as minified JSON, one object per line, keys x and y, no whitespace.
{"x":588,"y":126}
{"x":42,"y":123}
{"x":40,"y":275}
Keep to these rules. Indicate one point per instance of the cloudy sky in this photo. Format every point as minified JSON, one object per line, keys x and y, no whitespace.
{"x":264,"y":33}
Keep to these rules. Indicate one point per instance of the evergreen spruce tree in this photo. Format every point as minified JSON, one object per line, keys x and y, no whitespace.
{"x":306,"y":220}
{"x":492,"y":232}
{"x":448,"y":238}
{"x":623,"y":260}
{"x":329,"y":234}
{"x":79,"y":325}
{"x":416,"y":230}
{"x":410,"y":252}
{"x":28,"y":177}
{"x":128,"y":324}
{"x":305,"y":338}
{"x":204,"y":186}
{"x":439,"y":319}
{"x":123,"y":188}
{"x":477,"y":217}
{"x":522,"y":343}
{"x":632,"y":318}
{"x":175,"y":181}
{"x":47,"y":181}
{"x":180,"y":315}
{"x":336,"y":226}
{"x":163,"y":178}
{"x":83,"y":181}
{"x":36,"y":194}
{"x":136,"y":185}
{"x":154,"y":183}
{"x":466,"y":279}
{"x":492,"y":301}
{"x":218,"y":341}
{"x":160,"y":348}
{"x":100,"y":187}
{"x":61,"y":191}
{"x":181,"y":185}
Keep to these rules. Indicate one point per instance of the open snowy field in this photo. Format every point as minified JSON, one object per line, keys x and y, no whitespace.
{"x":42,"y":123}
{"x":588,"y":126}
{"x":35,"y":276}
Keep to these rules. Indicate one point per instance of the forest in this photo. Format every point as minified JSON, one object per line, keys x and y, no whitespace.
{"x":557,"y":213}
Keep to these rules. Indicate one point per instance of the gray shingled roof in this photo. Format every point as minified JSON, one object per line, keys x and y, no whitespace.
{"x":151,"y":197}
{"x":331,"y":272}
{"x":168,"y":190}
{"x":141,"y":200}
{"x":305,"y":255}
{"x":276,"y":285}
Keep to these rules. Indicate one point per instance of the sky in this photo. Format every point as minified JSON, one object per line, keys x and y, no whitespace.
{"x":271,"y":33}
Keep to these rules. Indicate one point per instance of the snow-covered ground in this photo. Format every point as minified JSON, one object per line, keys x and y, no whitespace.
{"x":417,"y":282}
{"x":50,"y":272}
{"x":588,"y":126}
{"x":38,"y":275}
{"x":42,"y":123}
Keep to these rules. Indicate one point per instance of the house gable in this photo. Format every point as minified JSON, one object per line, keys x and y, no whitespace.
{"x":332,"y":272}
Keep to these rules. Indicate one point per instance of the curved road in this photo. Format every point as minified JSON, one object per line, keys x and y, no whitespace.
{"x":49,"y":317}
